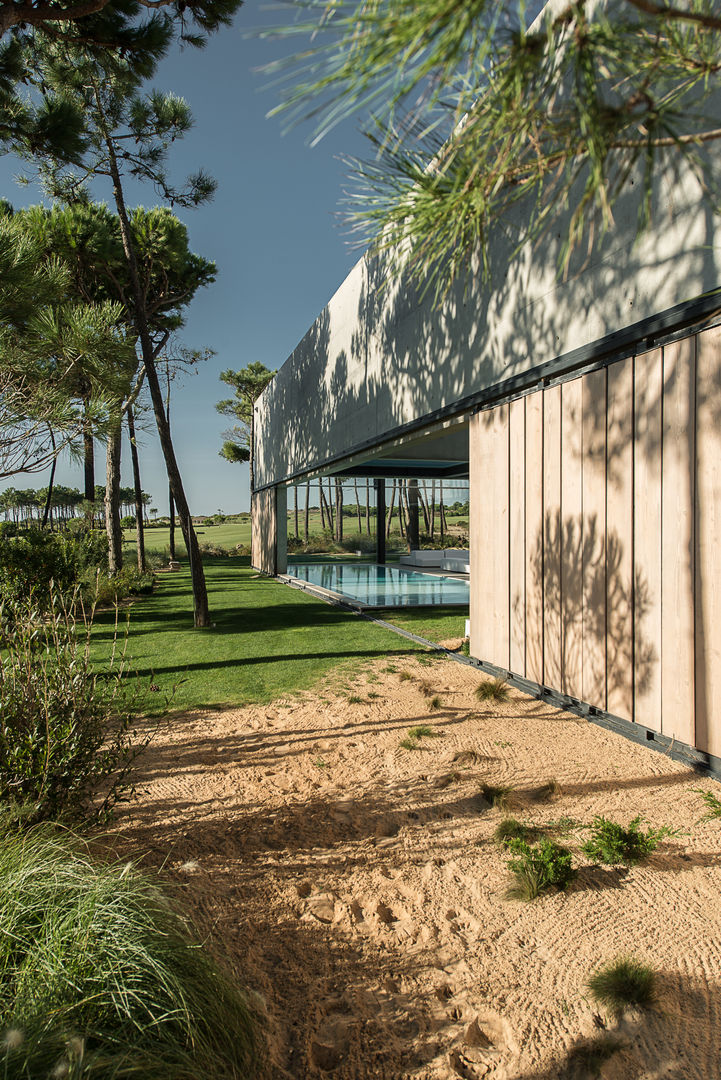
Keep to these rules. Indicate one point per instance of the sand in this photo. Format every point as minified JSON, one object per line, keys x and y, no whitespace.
{"x":355,"y":884}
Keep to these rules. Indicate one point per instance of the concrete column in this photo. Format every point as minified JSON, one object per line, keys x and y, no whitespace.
{"x":380,"y":486}
{"x":413,"y":531}
{"x":281,"y":529}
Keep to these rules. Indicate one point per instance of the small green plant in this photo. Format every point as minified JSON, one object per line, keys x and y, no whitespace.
{"x":537,"y":867}
{"x":320,"y":764}
{"x":404,"y":676}
{"x":503,"y":745}
{"x":493,"y":690}
{"x":409,"y":744}
{"x":512,"y":829}
{"x":390,"y":669}
{"x":500,"y":796}
{"x":354,"y":699}
{"x":611,"y":844}
{"x":423,"y":731}
{"x":713,"y":804}
{"x":435,"y":703}
{"x":373,"y":694}
{"x":622,"y":983}
{"x":466,"y":647}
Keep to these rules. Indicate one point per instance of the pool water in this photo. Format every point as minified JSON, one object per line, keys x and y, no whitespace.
{"x":374,"y":585}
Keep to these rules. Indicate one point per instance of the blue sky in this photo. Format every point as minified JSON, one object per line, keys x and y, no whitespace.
{"x":272,"y":229}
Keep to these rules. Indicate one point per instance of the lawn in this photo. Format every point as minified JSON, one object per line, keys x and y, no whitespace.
{"x":268,"y":640}
{"x":434,"y":623}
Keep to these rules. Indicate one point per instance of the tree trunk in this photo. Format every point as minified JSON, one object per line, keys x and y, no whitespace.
{"x":441,"y":511}
{"x":357,"y":503}
{"x":139,"y":523}
{"x":424,"y":507}
{"x":412,"y":500}
{"x":338,"y":510}
{"x":295,"y":495}
{"x":49,"y":501}
{"x":201,"y":615}
{"x":307,"y":510}
{"x":389,"y":521}
{"x":171,"y":523}
{"x":112,"y":496}
{"x":89,"y":462}
{"x":401,"y":508}
{"x":321,"y":502}
{"x":433,"y":508}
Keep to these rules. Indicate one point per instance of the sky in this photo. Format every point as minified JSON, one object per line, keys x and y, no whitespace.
{"x":273,"y":229}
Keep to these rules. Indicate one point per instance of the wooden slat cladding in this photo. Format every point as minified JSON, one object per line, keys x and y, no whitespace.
{"x":264,"y":531}
{"x":600,"y":575}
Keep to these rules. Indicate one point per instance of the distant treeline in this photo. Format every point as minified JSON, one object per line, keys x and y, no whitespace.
{"x":29,"y":506}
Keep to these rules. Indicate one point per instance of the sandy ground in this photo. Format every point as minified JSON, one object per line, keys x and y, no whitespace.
{"x":356,"y":886}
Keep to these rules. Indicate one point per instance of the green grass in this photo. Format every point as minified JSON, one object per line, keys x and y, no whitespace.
{"x":268,"y":640}
{"x":712,"y":803}
{"x":623,"y":983}
{"x":157,"y":539}
{"x":432,"y":623}
{"x":612,"y":844}
{"x":100,"y":977}
{"x":493,"y":690}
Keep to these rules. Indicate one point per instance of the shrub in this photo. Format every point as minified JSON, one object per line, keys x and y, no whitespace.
{"x":713,"y":804}
{"x":466,"y":647}
{"x":31,"y":560}
{"x":64,"y":727}
{"x":537,"y":867}
{"x":622,"y":983}
{"x":610,"y":843}
{"x":101,"y":978}
{"x":493,"y":690}
{"x":501,"y":796}
{"x":101,"y":590}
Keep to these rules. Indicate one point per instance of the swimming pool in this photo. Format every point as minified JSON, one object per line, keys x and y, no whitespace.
{"x":373,"y":585}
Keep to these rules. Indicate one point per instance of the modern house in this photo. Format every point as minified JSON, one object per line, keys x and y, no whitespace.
{"x":586,"y":410}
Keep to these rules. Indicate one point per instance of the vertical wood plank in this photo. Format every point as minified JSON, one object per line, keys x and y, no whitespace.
{"x":708,"y":541}
{"x":552,"y":658}
{"x":534,"y":537}
{"x":647,"y":442}
{"x":517,"y":569}
{"x":594,"y":538}
{"x":572,"y":537}
{"x":619,"y":540}
{"x":488,"y":438}
{"x":677,"y":544}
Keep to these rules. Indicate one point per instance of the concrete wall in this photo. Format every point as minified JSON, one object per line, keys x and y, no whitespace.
{"x":594,"y":534}
{"x":378,"y":358}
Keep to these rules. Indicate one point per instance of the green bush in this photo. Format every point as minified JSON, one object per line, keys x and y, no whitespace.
{"x":100,"y":978}
{"x":64,"y":727}
{"x":537,"y":867}
{"x":610,"y":843}
{"x":100,"y":589}
{"x":34,"y":558}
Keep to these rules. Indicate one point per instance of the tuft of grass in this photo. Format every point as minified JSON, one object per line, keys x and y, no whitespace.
{"x":623,"y":983}
{"x":466,"y":647}
{"x":713,"y":804}
{"x":354,"y":699}
{"x":409,"y":744}
{"x":611,"y":844}
{"x":493,"y":690}
{"x":404,"y":676}
{"x":512,"y":829}
{"x":537,"y":867}
{"x":435,"y":702}
{"x":423,"y":731}
{"x":102,"y":978}
{"x":546,"y":791}
{"x":390,"y":669}
{"x":502,"y":797}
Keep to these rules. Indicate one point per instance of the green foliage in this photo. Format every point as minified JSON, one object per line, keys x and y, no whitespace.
{"x":537,"y":867}
{"x":101,"y":590}
{"x":581,"y":109}
{"x":423,"y":731}
{"x":493,"y":690}
{"x":713,"y":804}
{"x":622,"y":983}
{"x":66,"y":743}
{"x":435,"y":703}
{"x":610,"y":843}
{"x":34,"y":559}
{"x":511,"y":829}
{"x":466,"y":647}
{"x":102,"y":978}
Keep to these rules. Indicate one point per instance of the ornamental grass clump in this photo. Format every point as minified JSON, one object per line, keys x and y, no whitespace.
{"x":623,"y":983}
{"x":66,"y":743}
{"x":101,"y":978}
{"x":537,"y":867}
{"x":611,"y":844}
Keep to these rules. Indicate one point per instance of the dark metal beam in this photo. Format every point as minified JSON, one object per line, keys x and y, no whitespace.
{"x":380,"y":486}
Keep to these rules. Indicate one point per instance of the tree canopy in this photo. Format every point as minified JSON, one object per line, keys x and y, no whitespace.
{"x":474,"y":107}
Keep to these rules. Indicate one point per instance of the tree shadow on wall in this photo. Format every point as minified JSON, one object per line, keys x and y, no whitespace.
{"x":579,"y":612}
